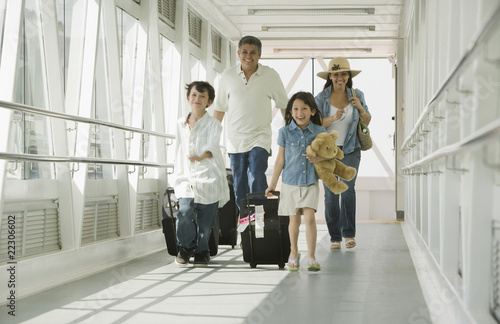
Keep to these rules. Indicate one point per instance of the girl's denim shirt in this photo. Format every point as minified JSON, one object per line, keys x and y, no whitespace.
{"x":298,"y":171}
{"x":351,"y":141}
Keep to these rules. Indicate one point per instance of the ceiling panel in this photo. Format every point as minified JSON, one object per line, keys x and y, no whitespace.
{"x":295,"y":28}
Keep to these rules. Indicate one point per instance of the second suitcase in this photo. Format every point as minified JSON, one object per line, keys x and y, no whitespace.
{"x":274,"y":247}
{"x":228,"y":216}
{"x":169,"y":213}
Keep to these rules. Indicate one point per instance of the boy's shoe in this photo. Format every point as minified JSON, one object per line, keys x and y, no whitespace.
{"x":201,"y":259}
{"x":183,"y":256}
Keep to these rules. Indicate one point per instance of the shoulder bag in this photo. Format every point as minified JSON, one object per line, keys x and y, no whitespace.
{"x":363,"y":132}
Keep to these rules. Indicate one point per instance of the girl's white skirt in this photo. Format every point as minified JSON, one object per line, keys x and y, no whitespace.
{"x":294,"y":198}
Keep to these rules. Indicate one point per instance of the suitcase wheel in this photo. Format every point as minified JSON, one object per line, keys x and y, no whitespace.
{"x":253,"y":265}
{"x":281,"y":265}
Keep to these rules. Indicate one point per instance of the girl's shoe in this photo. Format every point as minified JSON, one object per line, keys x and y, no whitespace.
{"x":350,"y":242}
{"x":295,"y":263}
{"x":313,"y":266}
{"x":335,"y":245}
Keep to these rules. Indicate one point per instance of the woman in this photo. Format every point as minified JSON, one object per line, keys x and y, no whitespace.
{"x":341,"y":112}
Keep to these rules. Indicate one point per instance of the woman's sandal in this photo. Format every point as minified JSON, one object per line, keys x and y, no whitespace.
{"x":350,"y":242}
{"x":335,"y":245}
{"x":313,"y":266}
{"x":294,"y":262}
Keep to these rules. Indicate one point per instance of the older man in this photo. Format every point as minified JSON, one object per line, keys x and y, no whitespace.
{"x":245,"y":93}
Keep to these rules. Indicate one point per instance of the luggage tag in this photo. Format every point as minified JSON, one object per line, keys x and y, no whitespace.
{"x":243,"y":222}
{"x":259,"y":221}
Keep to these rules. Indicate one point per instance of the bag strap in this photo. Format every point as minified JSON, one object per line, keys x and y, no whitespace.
{"x":353,"y":91}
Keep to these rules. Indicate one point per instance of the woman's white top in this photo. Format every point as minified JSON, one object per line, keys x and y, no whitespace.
{"x":342,"y":125}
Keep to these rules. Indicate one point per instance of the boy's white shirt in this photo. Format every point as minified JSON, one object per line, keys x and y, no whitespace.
{"x":205,"y":180}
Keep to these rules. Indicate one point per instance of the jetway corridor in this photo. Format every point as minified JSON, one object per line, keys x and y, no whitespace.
{"x":91,"y":92}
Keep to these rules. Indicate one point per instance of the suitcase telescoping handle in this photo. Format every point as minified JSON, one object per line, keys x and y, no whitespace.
{"x":256,"y":194}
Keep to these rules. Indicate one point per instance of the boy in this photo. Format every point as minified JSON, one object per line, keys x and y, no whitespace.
{"x":199,"y":178}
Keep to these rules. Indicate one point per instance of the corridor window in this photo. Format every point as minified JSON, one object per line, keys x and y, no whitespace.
{"x":170,"y":74}
{"x":196,"y":68}
{"x":127,"y":36}
{"x":31,"y":133}
{"x":101,"y":138}
{"x":148,"y":143}
{"x":2,"y":22}
{"x":64,"y":24}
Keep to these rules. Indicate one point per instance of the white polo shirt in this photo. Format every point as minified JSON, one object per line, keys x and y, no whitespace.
{"x":247,"y":106}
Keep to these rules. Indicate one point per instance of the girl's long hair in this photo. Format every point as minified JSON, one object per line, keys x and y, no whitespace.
{"x":308,"y":99}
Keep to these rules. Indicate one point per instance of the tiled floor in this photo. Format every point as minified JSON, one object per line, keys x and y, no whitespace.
{"x":372,"y":283}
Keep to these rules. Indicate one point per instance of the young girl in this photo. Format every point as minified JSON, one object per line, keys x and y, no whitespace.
{"x":299,"y":189}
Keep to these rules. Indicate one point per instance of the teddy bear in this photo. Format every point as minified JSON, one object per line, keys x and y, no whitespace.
{"x":325,"y":145}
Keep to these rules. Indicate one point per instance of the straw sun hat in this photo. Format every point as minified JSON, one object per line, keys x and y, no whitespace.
{"x":338,"y":64}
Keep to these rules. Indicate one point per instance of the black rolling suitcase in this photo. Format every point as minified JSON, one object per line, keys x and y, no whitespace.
{"x":228,"y":216}
{"x":274,"y":247}
{"x":169,"y":213}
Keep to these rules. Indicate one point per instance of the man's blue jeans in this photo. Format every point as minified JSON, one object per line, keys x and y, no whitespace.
{"x":194,"y":223}
{"x":340,"y":215}
{"x":249,"y":172}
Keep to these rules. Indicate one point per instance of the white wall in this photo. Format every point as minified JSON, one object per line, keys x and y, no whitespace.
{"x":451,"y":122}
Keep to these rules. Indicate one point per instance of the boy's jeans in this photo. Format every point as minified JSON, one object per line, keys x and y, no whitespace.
{"x":195,"y":218}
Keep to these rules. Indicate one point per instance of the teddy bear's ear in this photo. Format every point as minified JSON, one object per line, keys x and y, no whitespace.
{"x":334,"y":134}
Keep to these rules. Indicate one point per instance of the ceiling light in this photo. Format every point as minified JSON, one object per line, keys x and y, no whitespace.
{"x":346,"y":28}
{"x":311,"y":12}
{"x":328,"y":50}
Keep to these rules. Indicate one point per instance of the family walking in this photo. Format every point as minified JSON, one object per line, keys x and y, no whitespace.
{"x":244,"y":101}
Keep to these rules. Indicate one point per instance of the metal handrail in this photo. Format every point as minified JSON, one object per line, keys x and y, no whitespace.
{"x":481,"y":137}
{"x":481,"y":35}
{"x":48,"y":113}
{"x":51,"y":158}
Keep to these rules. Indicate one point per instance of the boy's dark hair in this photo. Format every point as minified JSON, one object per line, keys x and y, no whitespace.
{"x":309,"y":100}
{"x":251,"y":40}
{"x":201,"y":86}
{"x":329,"y":81}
